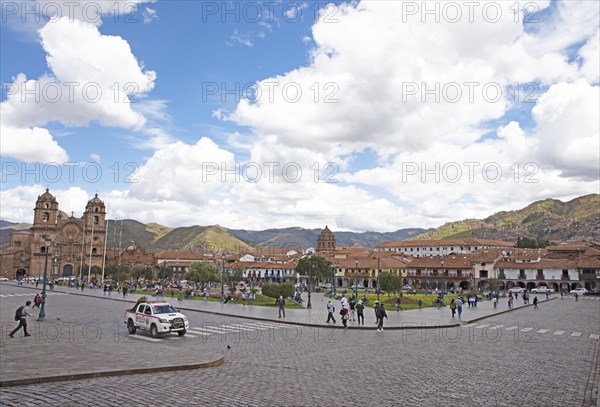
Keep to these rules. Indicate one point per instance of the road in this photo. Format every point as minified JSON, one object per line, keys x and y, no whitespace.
{"x":542,"y":357}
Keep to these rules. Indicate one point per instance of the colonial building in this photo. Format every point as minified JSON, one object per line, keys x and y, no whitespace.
{"x":441,"y":247}
{"x":326,"y":241}
{"x":69,"y":243}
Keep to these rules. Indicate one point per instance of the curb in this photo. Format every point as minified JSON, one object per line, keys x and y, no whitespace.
{"x":110,"y":373}
{"x":505,"y":311}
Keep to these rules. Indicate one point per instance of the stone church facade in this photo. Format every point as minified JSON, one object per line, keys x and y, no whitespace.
{"x":74,"y":242}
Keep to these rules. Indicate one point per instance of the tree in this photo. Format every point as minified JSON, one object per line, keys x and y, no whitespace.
{"x":390,"y":282}
{"x":275,"y":290}
{"x":231,"y":278}
{"x":202,"y":273}
{"x":141,"y":273}
{"x":319,"y":268}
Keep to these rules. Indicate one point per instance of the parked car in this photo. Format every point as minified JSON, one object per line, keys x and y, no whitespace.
{"x":515,"y":290}
{"x":407,"y":287}
{"x":578,"y":291}
{"x":595,"y":291}
{"x":3,"y":279}
{"x":325,"y":286}
{"x":542,"y":290}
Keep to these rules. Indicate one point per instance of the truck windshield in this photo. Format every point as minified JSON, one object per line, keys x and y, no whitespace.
{"x":164,"y":309}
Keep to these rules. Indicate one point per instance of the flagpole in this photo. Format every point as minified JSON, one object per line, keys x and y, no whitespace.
{"x":91,"y":248}
{"x":105,"y":241}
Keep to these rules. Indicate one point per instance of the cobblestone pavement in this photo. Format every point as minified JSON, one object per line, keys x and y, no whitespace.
{"x":543,"y":357}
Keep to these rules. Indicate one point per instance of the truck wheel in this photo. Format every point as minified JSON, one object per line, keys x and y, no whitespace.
{"x":181,"y":333}
{"x":154,"y":331}
{"x":131,"y":327}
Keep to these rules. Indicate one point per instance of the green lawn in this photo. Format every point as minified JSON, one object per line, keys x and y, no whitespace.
{"x":259,"y":300}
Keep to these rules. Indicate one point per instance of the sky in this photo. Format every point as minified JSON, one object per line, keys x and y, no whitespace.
{"x":363,"y":115}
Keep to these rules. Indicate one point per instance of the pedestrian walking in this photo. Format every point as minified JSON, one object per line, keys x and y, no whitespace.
{"x":535,"y":302}
{"x":110,"y":288}
{"x":21,"y":315}
{"x":562,"y":295}
{"x":360,"y":308}
{"x":125,"y":289}
{"x":453,"y":307}
{"x":547,"y":293}
{"x":243,"y":298}
{"x":510,"y":301}
{"x":37,"y":300}
{"x":105,"y":289}
{"x":330,"y":311}
{"x":250,"y":297}
{"x":576,"y":297}
{"x":352,"y":305}
{"x":381,"y":314}
{"x":281,"y":303}
{"x":459,"y":306}
{"x":344,"y":302}
{"x":345,"y":312}
{"x":205,"y":294}
{"x":36,"y":282}
{"x":495,"y":302}
{"x":398,"y":303}
{"x":376,"y":308}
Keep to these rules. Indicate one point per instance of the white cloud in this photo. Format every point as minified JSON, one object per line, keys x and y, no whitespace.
{"x":94,"y":78}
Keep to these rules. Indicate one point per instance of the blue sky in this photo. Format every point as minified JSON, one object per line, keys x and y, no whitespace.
{"x":363,"y":70}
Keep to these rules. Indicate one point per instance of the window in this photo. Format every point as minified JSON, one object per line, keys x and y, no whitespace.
{"x":141,"y":308}
{"x":148,"y":311}
{"x":45,"y":217}
{"x":94,"y":251}
{"x":483,"y":273}
{"x":96,"y":220}
{"x":43,"y":249}
{"x":46,"y":205}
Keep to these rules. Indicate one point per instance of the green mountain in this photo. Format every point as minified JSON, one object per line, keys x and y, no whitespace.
{"x":549,"y":219}
{"x":153,"y":236}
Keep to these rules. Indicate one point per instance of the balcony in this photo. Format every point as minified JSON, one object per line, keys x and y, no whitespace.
{"x":540,"y":275}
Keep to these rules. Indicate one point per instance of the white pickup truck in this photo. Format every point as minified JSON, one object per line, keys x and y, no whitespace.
{"x":157,"y":317}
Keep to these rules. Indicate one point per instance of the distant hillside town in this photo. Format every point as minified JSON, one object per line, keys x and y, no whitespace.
{"x":71,"y":247}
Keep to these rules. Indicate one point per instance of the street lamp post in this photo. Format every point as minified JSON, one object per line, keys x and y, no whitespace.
{"x":378,"y":287}
{"x":356,"y":279}
{"x":164,"y":270}
{"x":42,"y":314}
{"x":309,"y":304}
{"x":443,"y":278}
{"x":333,"y":280}
{"x":222,"y":276}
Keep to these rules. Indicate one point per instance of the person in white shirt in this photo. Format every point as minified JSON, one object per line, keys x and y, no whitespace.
{"x":344,"y":302}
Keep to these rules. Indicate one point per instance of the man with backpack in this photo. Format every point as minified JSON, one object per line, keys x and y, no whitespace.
{"x":21,"y":315}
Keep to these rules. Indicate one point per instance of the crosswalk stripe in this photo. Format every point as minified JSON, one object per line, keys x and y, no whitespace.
{"x":511,"y":328}
{"x":559,"y":332}
{"x":576,"y":334}
{"x":468,"y":325}
{"x":526,"y":329}
{"x":145,"y":338}
{"x":198,"y":331}
{"x":258,"y":327}
{"x":542,"y":331}
{"x":594,"y":336}
{"x":482,"y":326}
{"x":218,"y":330}
{"x":496,"y":327}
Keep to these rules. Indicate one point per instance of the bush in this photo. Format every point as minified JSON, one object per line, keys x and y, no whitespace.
{"x":275,"y":290}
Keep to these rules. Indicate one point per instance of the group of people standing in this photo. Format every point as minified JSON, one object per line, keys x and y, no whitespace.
{"x":355,"y":310}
